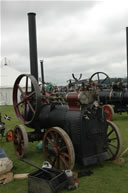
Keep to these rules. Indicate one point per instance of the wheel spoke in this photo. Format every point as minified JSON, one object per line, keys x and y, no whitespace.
{"x":18,"y":149}
{"x":31,"y":94}
{"x":110,"y":151}
{"x":50,"y":142}
{"x":26,"y":89}
{"x":53,"y":138}
{"x":63,"y":148}
{"x":21,"y":102}
{"x":110,"y":133}
{"x":52,"y":148}
{"x":113,"y":139}
{"x":31,"y":107}
{"x":104,"y":80}
{"x":22,"y":145}
{"x":66,"y":165}
{"x":18,"y":136}
{"x":18,"y":86}
{"x":113,"y":145}
{"x":65,"y":155}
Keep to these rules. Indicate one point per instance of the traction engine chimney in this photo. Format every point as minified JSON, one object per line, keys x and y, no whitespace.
{"x":33,"y":45}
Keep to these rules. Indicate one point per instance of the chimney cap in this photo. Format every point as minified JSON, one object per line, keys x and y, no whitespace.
{"x":31,"y":13}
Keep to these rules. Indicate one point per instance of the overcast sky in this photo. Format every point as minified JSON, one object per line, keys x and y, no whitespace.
{"x":72,"y":37}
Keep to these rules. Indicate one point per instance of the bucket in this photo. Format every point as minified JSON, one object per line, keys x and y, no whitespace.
{"x":46,"y":182}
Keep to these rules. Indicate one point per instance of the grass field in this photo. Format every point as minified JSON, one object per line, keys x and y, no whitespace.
{"x":106,"y":178}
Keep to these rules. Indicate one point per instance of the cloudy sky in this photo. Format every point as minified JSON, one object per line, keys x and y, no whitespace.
{"x":72,"y":37}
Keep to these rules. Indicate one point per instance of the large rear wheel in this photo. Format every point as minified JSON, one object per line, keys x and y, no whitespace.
{"x":58,"y":148}
{"x":114,"y":141}
{"x":26,"y":98}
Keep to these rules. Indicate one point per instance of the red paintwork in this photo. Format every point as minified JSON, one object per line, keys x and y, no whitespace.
{"x":73,"y":101}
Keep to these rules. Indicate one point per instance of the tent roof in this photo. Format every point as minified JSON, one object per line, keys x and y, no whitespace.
{"x":8,"y":76}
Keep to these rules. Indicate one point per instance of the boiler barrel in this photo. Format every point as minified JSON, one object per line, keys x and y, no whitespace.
{"x":111,"y":97}
{"x":104,"y":96}
{"x":88,"y":136}
{"x":52,"y":116}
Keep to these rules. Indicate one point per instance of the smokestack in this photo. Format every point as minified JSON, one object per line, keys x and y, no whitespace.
{"x":42,"y":70}
{"x":127,"y":52}
{"x":33,"y":45}
{"x":5,"y":61}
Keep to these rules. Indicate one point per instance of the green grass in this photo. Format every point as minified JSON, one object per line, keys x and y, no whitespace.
{"x":106,"y":178}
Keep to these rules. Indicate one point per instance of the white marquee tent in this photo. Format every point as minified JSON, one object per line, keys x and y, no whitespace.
{"x":8,"y":76}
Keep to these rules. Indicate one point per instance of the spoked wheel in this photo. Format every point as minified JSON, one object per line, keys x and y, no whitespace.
{"x":9,"y":135}
{"x":114,"y":141}
{"x":20,"y":141}
{"x":26,"y":98}
{"x":109,"y":112}
{"x":58,"y":148}
{"x":100,"y":78}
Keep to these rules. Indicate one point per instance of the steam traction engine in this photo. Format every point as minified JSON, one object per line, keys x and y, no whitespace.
{"x":113,"y":96}
{"x":75,"y":132}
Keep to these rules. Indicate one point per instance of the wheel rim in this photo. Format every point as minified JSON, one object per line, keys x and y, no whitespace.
{"x":26,"y":98}
{"x":109,"y":112}
{"x":58,"y":148}
{"x":20,"y":141}
{"x":10,"y":135}
{"x":114,"y":141}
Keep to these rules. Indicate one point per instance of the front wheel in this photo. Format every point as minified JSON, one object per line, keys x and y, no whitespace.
{"x":20,"y":141}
